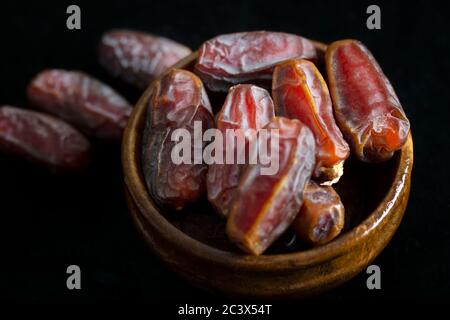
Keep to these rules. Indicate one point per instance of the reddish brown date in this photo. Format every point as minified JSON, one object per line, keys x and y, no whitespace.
{"x":366,"y":107}
{"x":85,"y":102}
{"x":177,"y":101}
{"x":265,"y":205}
{"x":246,"y":107}
{"x":239,"y":57}
{"x":137,"y":57}
{"x":42,"y":139}
{"x":300,"y":92}
{"x":322,"y":215}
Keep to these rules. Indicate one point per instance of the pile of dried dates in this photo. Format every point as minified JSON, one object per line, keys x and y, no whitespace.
{"x":72,"y":104}
{"x":272,"y":84}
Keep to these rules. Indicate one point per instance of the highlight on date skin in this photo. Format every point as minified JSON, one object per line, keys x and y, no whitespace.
{"x":137,"y":57}
{"x":246,"y":107}
{"x":265,"y":205}
{"x":300,"y":92}
{"x":367,"y":109}
{"x":177,"y":101}
{"x":42,"y":139}
{"x":244,"y":56}
{"x":321,"y":217}
{"x":85,"y":102}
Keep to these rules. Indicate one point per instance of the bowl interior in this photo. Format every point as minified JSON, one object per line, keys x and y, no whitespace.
{"x":362,"y":188}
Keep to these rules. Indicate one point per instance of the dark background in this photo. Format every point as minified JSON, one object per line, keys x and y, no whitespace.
{"x":51,"y":221}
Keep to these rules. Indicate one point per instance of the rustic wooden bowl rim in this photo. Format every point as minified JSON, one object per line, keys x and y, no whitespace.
{"x":136,"y":186}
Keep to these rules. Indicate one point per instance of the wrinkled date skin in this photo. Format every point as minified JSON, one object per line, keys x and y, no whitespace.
{"x":265,"y":205}
{"x":300,"y":92}
{"x":85,"y":102}
{"x":137,"y":57}
{"x":322,"y":215}
{"x":177,"y":100}
{"x":246,"y":107}
{"x":42,"y":139}
{"x":239,"y":57}
{"x":366,"y":107}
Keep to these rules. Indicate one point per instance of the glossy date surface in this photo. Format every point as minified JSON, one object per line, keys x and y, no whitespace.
{"x":43,"y":139}
{"x":265,"y":205}
{"x":240,"y":57}
{"x":81,"y":100}
{"x":321,"y":217}
{"x":246,"y":107}
{"x":367,"y":109}
{"x":137,"y":57}
{"x":300,"y":92}
{"x":177,"y":101}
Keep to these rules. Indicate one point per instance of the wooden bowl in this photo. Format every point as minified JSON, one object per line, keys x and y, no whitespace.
{"x":193,"y":243}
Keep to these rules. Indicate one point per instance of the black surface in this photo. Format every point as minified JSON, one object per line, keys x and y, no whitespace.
{"x":50,"y":221}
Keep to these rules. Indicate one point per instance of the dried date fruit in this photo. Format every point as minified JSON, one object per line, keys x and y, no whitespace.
{"x":321,"y":217}
{"x":42,"y":139}
{"x":246,"y":107}
{"x":137,"y":57}
{"x":178,"y":100}
{"x":300,"y":92}
{"x":85,"y":102}
{"x":239,"y":57}
{"x":265,"y":205}
{"x":366,"y":107}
